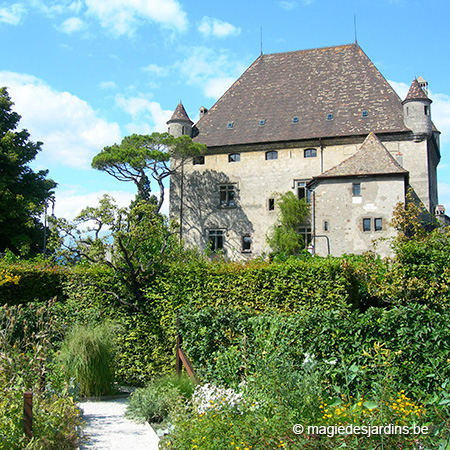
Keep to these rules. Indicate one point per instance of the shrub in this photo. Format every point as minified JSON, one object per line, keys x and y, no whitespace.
{"x":159,"y":398}
{"x":87,"y":354}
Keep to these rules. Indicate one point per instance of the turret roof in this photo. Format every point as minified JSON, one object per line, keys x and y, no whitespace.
{"x":416,"y":92}
{"x":324,"y":92}
{"x":180,"y":115}
{"x":371,"y":159}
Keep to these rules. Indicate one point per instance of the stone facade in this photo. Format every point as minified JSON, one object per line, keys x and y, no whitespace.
{"x":319,"y":150}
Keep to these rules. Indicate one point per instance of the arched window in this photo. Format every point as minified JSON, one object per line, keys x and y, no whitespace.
{"x":310,"y":153}
{"x":271,"y":155}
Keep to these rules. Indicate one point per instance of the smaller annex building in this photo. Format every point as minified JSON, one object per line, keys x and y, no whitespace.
{"x":322,"y":123}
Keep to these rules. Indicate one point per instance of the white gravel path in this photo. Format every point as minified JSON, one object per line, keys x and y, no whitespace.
{"x":107,"y":428}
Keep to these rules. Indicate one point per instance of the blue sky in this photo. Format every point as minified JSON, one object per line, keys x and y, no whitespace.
{"x":85,"y":73}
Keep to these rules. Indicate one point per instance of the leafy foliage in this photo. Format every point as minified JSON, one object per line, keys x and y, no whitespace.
{"x":285,"y":237}
{"x":28,"y":338}
{"x":159,"y":398}
{"x":23,"y":193}
{"x":133,"y":242}
{"x":139,"y":157}
{"x":40,"y":280}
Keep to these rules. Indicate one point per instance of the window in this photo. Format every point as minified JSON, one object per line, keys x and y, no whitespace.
{"x":356,"y":189}
{"x":271,"y":204}
{"x":310,"y":153}
{"x":426,"y":110}
{"x":303,"y":192}
{"x":366,"y":224}
{"x":216,"y":240}
{"x":295,"y":119}
{"x":198,"y":160}
{"x":330,"y":116}
{"x":227,"y":195}
{"x":306,"y":234}
{"x":271,"y":155}
{"x":230,"y":125}
{"x":326,"y":226}
{"x":234,"y":157}
{"x":364,"y":113}
{"x":378,"y":224}
{"x":246,"y":244}
{"x":262,"y":122}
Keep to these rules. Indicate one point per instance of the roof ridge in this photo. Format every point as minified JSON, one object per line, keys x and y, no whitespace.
{"x":353,"y":44}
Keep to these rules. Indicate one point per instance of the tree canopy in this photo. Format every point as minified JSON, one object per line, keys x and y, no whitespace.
{"x":23,"y":192}
{"x":141,"y":158}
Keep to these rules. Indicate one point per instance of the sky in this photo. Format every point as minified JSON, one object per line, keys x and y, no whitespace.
{"x":83,"y":74}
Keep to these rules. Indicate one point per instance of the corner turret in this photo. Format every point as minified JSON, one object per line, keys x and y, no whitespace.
{"x":416,"y":110}
{"x":180,"y":124}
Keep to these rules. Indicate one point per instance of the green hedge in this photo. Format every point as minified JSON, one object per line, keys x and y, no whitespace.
{"x":39,"y":281}
{"x":227,"y":345}
{"x":291,"y":286}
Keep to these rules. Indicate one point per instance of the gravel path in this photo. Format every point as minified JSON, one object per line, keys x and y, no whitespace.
{"x":107,"y":428}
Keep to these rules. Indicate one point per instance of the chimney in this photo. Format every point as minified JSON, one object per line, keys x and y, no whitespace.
{"x":203,"y":111}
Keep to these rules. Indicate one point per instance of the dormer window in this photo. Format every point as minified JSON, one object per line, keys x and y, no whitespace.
{"x":262,"y":122}
{"x":230,"y":125}
{"x":295,"y":119}
{"x":364,"y":113}
{"x":330,"y":116}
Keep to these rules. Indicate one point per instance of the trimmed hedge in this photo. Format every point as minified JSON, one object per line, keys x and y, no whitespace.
{"x":38,"y":282}
{"x":226,"y":346}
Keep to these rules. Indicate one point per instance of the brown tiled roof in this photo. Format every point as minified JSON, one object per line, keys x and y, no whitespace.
{"x":309,"y":85}
{"x":416,"y":92}
{"x":371,"y":159}
{"x":180,"y":114}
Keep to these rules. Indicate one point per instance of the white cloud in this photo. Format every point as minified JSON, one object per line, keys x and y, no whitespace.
{"x":214,"y":72}
{"x":107,"y":85}
{"x":147,"y":116}
{"x":288,"y":6}
{"x":216,"y":87}
{"x":70,"y":129}
{"x":122,"y":16}
{"x":215,"y":27}
{"x":13,"y":14}
{"x":69,"y":204}
{"x":401,"y":88}
{"x":440,"y":113}
{"x":154,"y":69}
{"x":71,"y":25}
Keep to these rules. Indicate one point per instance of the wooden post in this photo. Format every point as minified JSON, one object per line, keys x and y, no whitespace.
{"x":28,"y":414}
{"x":178,"y":359}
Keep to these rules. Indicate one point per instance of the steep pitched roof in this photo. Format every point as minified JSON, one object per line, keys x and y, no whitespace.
{"x":309,"y":85}
{"x":416,"y":92}
{"x":371,"y":159}
{"x":180,"y":114}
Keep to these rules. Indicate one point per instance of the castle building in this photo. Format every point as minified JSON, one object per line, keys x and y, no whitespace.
{"x":322,"y":123}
